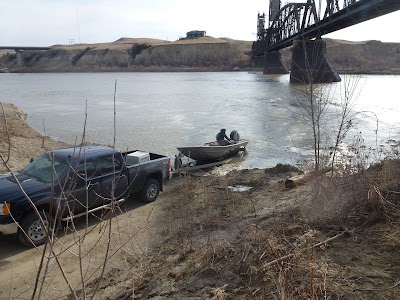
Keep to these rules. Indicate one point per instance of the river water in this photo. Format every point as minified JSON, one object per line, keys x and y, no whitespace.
{"x":158,"y":112}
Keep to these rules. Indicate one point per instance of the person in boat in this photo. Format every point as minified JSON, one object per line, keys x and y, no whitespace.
{"x":222,"y":139}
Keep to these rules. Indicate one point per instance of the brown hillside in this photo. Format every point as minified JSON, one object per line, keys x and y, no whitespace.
{"x":202,"y":54}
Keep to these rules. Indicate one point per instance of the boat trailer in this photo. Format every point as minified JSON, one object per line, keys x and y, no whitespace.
{"x":189,"y":167}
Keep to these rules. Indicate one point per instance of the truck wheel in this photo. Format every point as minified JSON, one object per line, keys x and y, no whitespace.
{"x":33,"y":231}
{"x":151,"y":190}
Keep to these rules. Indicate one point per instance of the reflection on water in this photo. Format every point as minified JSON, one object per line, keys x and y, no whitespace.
{"x":160,"y":111}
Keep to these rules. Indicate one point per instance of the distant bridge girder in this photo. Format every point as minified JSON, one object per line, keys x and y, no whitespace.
{"x":23,"y":48}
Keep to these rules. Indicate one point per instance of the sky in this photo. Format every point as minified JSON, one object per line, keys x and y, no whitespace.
{"x":51,"y":22}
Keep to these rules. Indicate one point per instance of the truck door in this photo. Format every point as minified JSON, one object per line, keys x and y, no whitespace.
{"x":84,"y":188}
{"x":136,"y":176}
{"x":114,"y":180}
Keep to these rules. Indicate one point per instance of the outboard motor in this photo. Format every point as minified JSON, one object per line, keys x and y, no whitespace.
{"x":234,"y":136}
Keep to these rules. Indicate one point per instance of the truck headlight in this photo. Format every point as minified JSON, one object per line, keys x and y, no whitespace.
{"x":5,"y":209}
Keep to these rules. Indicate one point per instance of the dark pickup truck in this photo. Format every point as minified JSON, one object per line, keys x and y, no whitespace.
{"x":67,"y":183}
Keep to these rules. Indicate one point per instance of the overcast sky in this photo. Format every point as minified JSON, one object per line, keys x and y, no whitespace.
{"x":50,"y":22}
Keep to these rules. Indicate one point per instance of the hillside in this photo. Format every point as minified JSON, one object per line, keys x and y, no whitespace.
{"x":370,"y":57}
{"x":202,"y":54}
{"x":127,"y":54}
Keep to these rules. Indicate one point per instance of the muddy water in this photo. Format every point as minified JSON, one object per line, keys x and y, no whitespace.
{"x":160,"y":111}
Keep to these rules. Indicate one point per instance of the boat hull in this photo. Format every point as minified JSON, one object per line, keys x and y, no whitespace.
{"x":213,"y":151}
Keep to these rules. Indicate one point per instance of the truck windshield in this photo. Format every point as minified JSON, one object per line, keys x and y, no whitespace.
{"x":42,"y":168}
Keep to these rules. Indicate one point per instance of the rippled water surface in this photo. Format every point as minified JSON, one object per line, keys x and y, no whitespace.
{"x":160,"y":111}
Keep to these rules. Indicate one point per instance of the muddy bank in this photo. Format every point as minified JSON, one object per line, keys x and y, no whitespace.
{"x":239,"y":236}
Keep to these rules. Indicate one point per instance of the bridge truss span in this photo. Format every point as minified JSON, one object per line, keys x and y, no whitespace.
{"x":292,"y":19}
{"x":312,"y":20}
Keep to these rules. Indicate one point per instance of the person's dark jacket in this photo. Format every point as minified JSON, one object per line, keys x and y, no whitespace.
{"x":221,"y":136}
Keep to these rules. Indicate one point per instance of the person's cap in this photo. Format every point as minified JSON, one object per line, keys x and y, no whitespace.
{"x":223,"y":129}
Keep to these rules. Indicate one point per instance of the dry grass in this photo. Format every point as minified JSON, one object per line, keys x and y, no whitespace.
{"x":273,"y":243}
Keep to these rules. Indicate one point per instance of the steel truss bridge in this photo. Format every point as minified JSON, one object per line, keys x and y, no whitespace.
{"x":311,"y":20}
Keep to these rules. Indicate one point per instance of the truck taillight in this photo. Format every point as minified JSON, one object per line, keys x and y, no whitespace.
{"x":169,"y":165}
{"x":5,"y":209}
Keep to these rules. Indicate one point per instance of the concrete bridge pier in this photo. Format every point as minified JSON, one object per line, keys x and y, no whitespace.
{"x":19,"y":57}
{"x":273,"y":63}
{"x":310,"y":64}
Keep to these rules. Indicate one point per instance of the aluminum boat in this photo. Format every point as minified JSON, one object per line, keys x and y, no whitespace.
{"x":213,"y":151}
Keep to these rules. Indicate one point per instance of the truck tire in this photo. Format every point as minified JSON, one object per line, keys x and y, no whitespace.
{"x":150,"y":191}
{"x":33,"y":231}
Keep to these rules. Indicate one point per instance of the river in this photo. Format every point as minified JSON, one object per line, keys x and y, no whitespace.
{"x":158,"y":112}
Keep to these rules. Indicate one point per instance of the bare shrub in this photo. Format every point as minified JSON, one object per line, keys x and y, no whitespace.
{"x":384,"y":192}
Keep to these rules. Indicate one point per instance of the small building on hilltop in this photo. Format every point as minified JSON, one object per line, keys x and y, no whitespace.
{"x":195,"y":34}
